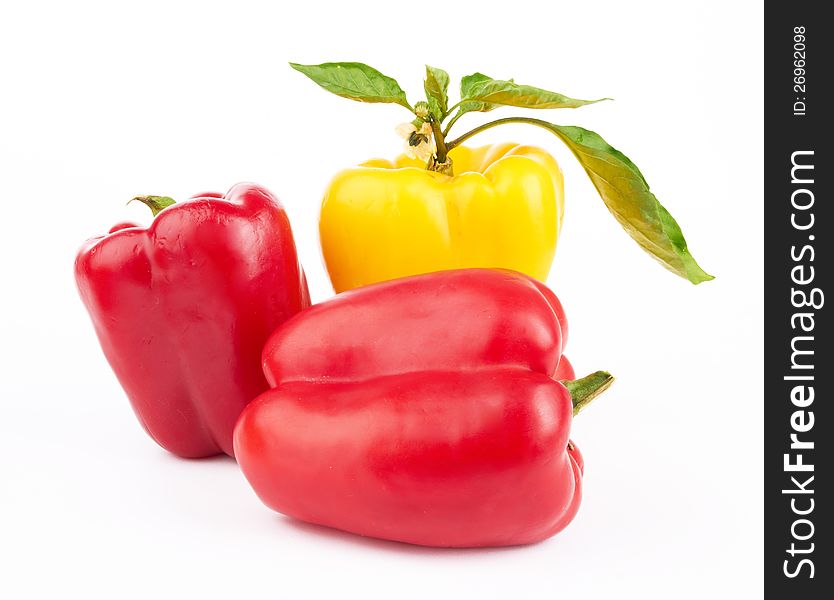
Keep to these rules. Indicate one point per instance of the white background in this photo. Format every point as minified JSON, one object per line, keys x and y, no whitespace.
{"x":101,"y":102}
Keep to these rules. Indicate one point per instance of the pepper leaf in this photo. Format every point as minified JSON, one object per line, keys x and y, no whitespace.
{"x":626,"y":194}
{"x":467,"y":84}
{"x":437,"y":87}
{"x":489,"y":93}
{"x":355,"y":81}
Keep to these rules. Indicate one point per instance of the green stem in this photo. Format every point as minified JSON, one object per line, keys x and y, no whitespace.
{"x":450,"y":109}
{"x":484,"y":127}
{"x":440,"y":141}
{"x":155,"y":203}
{"x":440,"y":162}
{"x":452,"y":122}
{"x":583,"y":391}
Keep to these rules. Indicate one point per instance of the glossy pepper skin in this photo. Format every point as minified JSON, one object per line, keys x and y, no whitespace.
{"x":503,"y":208}
{"x":182,"y":310}
{"x":425,"y":413}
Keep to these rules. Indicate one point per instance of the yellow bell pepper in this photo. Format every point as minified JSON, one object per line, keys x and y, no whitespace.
{"x":445,"y":206}
{"x":502,"y":208}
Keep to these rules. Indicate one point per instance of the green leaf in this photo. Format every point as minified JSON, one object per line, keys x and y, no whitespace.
{"x":437,"y":87}
{"x":467,"y":84}
{"x":626,"y":194}
{"x":489,"y":93}
{"x":356,"y":81}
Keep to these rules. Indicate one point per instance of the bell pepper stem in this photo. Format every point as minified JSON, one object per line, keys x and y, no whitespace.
{"x":458,"y":141}
{"x":155,"y":203}
{"x":451,"y":122}
{"x":440,"y":161}
{"x":438,"y":167}
{"x":583,"y":391}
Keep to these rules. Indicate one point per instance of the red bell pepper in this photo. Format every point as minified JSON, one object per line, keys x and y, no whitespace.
{"x":425,"y":412}
{"x":564,"y":372}
{"x":182,"y":309}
